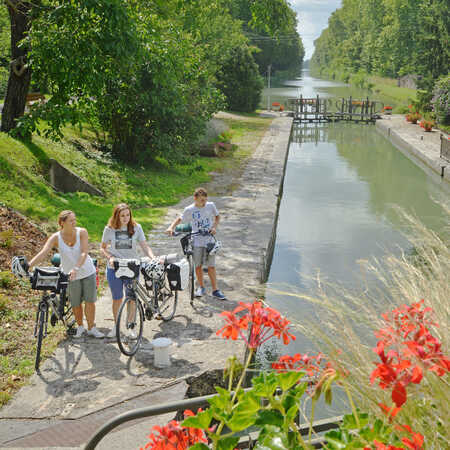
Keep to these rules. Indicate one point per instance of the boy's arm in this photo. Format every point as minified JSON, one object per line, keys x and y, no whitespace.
{"x":216,"y":222}
{"x":173,"y":225}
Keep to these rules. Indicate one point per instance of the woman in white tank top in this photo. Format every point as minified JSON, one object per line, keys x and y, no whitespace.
{"x":72,"y":243}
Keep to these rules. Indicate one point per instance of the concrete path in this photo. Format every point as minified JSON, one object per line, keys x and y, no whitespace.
{"x":423,"y":147}
{"x":86,"y":382}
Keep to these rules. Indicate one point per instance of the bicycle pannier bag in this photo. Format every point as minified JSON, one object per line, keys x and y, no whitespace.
{"x":178,"y":275}
{"x":186,"y":244}
{"x":49,"y":279}
{"x":126,"y":269}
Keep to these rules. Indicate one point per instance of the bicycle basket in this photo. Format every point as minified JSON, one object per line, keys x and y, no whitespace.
{"x":186,"y":244}
{"x":178,"y":275}
{"x":49,"y":279}
{"x":126,"y":269}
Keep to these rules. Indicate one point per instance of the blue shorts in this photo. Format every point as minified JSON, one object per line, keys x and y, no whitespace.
{"x":117,"y":285}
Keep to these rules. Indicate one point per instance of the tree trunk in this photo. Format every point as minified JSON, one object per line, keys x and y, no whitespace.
{"x":19,"y":73}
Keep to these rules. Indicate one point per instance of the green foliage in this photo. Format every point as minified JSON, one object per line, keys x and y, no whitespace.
{"x":389,"y":38}
{"x":6,"y":238}
{"x":240,"y":81}
{"x":4,"y":305}
{"x":6,"y":279}
{"x":441,"y":100}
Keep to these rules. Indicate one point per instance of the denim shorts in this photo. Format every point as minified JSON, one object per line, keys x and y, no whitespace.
{"x":118,"y":285}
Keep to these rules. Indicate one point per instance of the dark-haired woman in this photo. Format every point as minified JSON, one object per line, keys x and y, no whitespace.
{"x":120,"y":240}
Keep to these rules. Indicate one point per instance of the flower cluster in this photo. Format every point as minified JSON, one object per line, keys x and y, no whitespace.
{"x":263,"y":323}
{"x":309,"y":364}
{"x":388,"y":108}
{"x":173,"y":436}
{"x":407,"y":348}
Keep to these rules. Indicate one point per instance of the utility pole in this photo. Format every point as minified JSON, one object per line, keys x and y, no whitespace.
{"x":268,"y":87}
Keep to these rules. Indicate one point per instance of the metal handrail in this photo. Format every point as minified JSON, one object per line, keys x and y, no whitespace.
{"x":192,"y":403}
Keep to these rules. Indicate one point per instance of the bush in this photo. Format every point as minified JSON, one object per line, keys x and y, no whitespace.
{"x":441,"y":101}
{"x":6,"y":279}
{"x":240,"y":81}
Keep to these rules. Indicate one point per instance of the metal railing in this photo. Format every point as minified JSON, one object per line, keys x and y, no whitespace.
{"x":319,"y":426}
{"x":445,"y":147}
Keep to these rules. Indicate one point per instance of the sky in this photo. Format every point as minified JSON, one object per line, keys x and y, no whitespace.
{"x":312,"y":19}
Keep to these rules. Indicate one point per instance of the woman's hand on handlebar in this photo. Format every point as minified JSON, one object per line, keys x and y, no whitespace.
{"x":169,"y":231}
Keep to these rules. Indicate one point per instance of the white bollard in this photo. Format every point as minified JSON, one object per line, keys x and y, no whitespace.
{"x":161,"y":352}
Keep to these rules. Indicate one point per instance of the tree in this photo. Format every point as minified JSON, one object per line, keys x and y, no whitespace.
{"x":20,"y":71}
{"x":240,"y":81}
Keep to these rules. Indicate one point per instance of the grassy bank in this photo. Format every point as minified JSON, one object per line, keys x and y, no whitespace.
{"x":24,"y":179}
{"x":24,"y":186}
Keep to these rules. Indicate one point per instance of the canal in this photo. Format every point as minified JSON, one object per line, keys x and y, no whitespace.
{"x":342,"y":181}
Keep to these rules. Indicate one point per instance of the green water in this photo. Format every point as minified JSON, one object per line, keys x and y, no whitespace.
{"x":342,"y":181}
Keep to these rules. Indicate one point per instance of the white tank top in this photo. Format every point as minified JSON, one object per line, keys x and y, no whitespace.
{"x":71,"y":255}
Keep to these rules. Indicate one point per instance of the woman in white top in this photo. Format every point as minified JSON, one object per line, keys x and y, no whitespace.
{"x":72,"y":244}
{"x":119,"y":240}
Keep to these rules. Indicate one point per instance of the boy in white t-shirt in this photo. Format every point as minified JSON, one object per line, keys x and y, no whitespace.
{"x":203,"y":216}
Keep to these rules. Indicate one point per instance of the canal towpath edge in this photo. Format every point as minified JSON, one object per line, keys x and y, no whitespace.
{"x":86,"y":382}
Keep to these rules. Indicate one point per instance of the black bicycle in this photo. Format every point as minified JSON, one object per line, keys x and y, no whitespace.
{"x":53,"y":282}
{"x":156,"y":296}
{"x":186,"y":245}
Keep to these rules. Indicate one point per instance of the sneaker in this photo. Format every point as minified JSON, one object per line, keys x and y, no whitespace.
{"x":132,"y":335}
{"x":80,"y":332}
{"x":112,"y":333}
{"x":218,"y":294}
{"x":95,"y":333}
{"x":200,"y":292}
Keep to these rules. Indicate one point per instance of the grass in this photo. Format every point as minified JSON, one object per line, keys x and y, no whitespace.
{"x":25,"y":187}
{"x":24,"y":179}
{"x":348,"y":321}
{"x":388,"y":87}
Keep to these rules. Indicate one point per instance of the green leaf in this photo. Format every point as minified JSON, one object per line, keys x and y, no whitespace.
{"x":244,"y":413}
{"x":228,"y":443}
{"x":265,"y":384}
{"x":288,"y":379}
{"x":202,"y":420}
{"x":269,"y":417}
{"x":199,"y":446}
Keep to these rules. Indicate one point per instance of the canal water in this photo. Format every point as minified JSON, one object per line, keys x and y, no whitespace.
{"x":340,"y":186}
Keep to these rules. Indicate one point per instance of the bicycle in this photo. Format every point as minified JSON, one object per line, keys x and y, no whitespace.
{"x":53,"y":282}
{"x":187,"y":247}
{"x":156,"y":296}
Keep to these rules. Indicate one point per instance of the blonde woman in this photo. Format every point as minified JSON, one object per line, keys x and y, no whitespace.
{"x":120,"y":240}
{"x":72,"y":244}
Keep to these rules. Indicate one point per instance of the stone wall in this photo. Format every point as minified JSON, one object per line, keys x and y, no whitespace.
{"x":64,"y":180}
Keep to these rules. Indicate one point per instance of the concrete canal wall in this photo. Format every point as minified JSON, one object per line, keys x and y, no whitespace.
{"x":420,"y":146}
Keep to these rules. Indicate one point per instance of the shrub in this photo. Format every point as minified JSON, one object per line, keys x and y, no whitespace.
{"x":4,"y":309}
{"x":6,"y":279}
{"x":441,"y":100}
{"x":6,"y":238}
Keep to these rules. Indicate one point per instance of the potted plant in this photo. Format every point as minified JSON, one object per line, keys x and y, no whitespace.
{"x":387,"y":110}
{"x":413,"y":117}
{"x":427,"y":125}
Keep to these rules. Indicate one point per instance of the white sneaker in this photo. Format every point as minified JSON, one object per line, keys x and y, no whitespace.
{"x":95,"y":333}
{"x":80,"y":332}
{"x":200,"y":292}
{"x":112,"y":333}
{"x":132,"y":335}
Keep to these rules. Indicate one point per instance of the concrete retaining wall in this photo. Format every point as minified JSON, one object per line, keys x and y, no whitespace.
{"x":421,"y":147}
{"x":64,"y":180}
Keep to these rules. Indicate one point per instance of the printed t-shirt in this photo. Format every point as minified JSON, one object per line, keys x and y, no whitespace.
{"x":200,"y":219}
{"x":122,"y":244}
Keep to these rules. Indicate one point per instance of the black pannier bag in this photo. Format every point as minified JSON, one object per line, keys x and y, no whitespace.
{"x":49,"y":279}
{"x":186,"y":244}
{"x":174,"y":277}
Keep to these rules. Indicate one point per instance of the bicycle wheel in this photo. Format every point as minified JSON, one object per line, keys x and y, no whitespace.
{"x":166,"y":300}
{"x":40,"y":335}
{"x":191,"y":279}
{"x":130,"y":321}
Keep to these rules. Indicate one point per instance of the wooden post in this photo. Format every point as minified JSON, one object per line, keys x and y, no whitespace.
{"x":350,"y":107}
